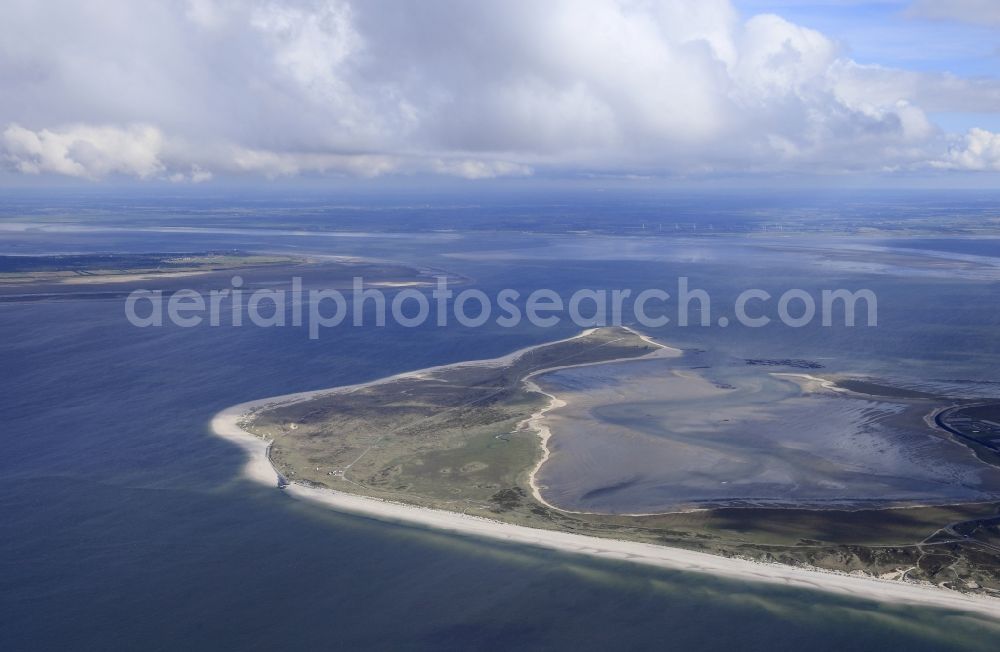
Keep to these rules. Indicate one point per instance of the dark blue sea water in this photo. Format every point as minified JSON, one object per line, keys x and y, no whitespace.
{"x":125,"y":525}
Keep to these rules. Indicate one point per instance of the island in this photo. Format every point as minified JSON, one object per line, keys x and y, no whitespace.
{"x":615,"y":445}
{"x":111,"y":275}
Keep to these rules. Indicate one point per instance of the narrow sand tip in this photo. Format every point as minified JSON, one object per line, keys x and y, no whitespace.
{"x":227,"y":425}
{"x":810,"y":383}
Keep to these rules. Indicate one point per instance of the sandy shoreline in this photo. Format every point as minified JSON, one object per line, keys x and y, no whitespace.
{"x":227,"y":424}
{"x":536,"y":421}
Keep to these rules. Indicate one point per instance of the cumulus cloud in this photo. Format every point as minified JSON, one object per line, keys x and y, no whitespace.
{"x":85,"y":151}
{"x":978,"y":150}
{"x":476,"y":90}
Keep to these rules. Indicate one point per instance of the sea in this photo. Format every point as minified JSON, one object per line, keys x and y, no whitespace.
{"x":125,"y":525}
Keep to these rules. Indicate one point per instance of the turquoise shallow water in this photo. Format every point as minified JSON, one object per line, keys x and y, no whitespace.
{"x":124,"y":524}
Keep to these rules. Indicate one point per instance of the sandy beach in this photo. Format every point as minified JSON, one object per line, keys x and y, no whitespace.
{"x":228,"y":425}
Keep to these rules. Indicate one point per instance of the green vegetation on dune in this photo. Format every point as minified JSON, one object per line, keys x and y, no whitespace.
{"x":449,"y":437}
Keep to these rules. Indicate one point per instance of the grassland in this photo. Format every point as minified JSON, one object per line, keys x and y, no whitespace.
{"x":454,"y":438}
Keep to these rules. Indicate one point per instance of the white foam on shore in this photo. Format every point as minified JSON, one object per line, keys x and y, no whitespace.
{"x":228,"y":425}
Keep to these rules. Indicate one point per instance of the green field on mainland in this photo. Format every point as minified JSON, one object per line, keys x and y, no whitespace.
{"x":21,"y":270}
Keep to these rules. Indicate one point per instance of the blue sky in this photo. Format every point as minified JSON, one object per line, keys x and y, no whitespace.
{"x":204,"y":91}
{"x":893,"y":34}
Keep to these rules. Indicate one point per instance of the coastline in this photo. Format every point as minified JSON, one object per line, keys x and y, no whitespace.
{"x":536,"y":421}
{"x":227,"y":424}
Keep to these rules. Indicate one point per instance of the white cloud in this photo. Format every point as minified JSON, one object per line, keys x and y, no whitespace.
{"x":476,"y":169}
{"x":476,"y":90}
{"x":196,"y":175}
{"x":285,"y":164}
{"x":85,"y":151}
{"x":978,"y":150}
{"x":778,"y":59}
{"x":205,"y":13}
{"x":856,"y":84}
{"x":311,"y":46}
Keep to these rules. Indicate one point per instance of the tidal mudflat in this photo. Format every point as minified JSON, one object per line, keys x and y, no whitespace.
{"x":648,"y":436}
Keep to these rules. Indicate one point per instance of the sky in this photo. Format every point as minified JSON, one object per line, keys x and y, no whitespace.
{"x":203,"y":92}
